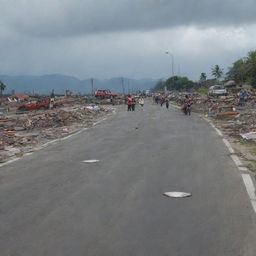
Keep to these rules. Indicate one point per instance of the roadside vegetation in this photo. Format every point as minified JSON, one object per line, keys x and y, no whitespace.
{"x":242,"y":71}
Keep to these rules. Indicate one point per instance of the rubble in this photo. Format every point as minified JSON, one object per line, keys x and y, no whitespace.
{"x":226,"y":111}
{"x":20,"y":133}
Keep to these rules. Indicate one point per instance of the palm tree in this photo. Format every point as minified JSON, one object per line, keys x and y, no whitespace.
{"x":217,"y":72}
{"x":203,"y":77}
{"x":2,"y":88}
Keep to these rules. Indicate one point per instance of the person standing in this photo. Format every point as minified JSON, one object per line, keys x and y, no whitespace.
{"x":133,"y":104}
{"x":162,"y":101}
{"x":141,"y":102}
{"x":129,"y":103}
{"x":167,"y":103}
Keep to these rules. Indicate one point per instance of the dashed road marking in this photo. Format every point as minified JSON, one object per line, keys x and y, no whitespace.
{"x":9,"y":162}
{"x":249,"y":185}
{"x":243,"y":169}
{"x":231,"y":150}
{"x":236,"y":160}
{"x":218,"y":131}
{"x":250,"y":189}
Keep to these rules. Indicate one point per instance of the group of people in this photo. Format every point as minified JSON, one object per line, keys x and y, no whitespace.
{"x":161,"y":100}
{"x":131,"y":102}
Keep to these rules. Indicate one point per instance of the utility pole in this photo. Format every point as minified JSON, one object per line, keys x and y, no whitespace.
{"x":122,"y":79}
{"x":92,"y":86}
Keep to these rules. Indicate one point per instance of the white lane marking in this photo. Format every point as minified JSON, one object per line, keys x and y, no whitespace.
{"x":243,"y":169}
{"x":9,"y":162}
{"x":218,"y":131}
{"x":100,"y":121}
{"x":231,"y":150}
{"x":250,"y":189}
{"x":91,"y":161}
{"x":28,"y":154}
{"x":236,"y":160}
{"x":246,"y":177}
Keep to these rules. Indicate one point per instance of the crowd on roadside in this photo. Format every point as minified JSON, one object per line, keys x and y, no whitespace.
{"x":132,"y":101}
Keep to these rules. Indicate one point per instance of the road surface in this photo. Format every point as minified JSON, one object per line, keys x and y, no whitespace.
{"x":53,"y":204}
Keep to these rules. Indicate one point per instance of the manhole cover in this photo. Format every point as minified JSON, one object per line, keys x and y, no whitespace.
{"x":91,"y":161}
{"x":177,"y":194}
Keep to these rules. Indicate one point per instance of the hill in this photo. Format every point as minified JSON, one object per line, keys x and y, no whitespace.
{"x":45,"y":83}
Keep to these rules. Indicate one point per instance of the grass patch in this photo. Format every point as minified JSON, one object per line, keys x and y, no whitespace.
{"x":247,"y":143}
{"x":251,"y":167}
{"x":201,"y":90}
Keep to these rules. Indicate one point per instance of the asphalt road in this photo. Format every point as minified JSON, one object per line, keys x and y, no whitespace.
{"x":53,"y":204}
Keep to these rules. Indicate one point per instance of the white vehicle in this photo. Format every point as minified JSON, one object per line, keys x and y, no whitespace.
{"x":217,"y":90}
{"x":93,"y":107}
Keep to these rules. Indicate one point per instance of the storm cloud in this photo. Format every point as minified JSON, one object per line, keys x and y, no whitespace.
{"x":66,"y":17}
{"x":108,"y":38}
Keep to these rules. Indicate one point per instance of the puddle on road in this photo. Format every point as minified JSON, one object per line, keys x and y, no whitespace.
{"x":177,"y":194}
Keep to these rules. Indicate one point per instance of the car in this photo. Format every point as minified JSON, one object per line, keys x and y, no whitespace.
{"x":93,"y":107}
{"x":34,"y":106}
{"x":217,"y":90}
{"x":104,"y":94}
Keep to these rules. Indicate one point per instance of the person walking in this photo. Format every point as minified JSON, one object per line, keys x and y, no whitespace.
{"x":167,"y":103}
{"x":129,"y":103}
{"x":133,"y":104}
{"x":141,"y":102}
{"x":162,"y":101}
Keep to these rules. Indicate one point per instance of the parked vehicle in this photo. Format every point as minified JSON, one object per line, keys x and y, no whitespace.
{"x":33,"y":106}
{"x":104,"y":94}
{"x":217,"y":90}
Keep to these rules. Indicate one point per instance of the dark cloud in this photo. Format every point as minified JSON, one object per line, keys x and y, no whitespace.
{"x":65,"y":18}
{"x":105,"y":38}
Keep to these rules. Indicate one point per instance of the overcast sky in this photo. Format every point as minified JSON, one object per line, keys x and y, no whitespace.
{"x":110,"y":38}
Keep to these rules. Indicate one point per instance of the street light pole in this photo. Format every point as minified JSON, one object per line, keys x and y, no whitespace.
{"x":172,"y":62}
{"x":92,"y":86}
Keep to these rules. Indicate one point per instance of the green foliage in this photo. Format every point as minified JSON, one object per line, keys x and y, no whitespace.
{"x":2,"y":87}
{"x":217,"y":72}
{"x":175,"y":83}
{"x":238,"y":71}
{"x":202,"y":90}
{"x":159,"y":86}
{"x":203,"y":78}
{"x":244,"y":70}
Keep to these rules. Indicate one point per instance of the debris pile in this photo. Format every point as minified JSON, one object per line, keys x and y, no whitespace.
{"x":19,"y":133}
{"x":234,"y":118}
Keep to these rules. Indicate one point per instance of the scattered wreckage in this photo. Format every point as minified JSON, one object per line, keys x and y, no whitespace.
{"x":21,"y":131}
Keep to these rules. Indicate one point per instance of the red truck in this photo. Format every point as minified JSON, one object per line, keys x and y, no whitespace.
{"x":104,"y":94}
{"x":44,"y":104}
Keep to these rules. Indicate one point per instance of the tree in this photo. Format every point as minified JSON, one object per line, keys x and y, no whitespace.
{"x":217,"y":72}
{"x":203,"y":78}
{"x":2,"y":88}
{"x":159,"y":86}
{"x":238,"y":71}
{"x":175,"y":83}
{"x":251,"y":68}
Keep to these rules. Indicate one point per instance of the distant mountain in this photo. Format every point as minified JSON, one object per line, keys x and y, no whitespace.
{"x":45,"y":83}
